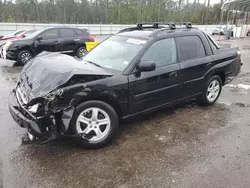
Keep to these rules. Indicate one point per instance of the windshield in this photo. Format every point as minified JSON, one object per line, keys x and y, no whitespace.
{"x":116,"y":52}
{"x":29,"y":33}
{"x":33,"y":33}
{"x":15,"y":33}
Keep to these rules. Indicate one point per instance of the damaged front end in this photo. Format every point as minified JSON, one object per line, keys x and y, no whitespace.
{"x":47,"y":92}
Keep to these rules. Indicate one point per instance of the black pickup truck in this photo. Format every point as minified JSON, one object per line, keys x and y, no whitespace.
{"x":138,"y":70}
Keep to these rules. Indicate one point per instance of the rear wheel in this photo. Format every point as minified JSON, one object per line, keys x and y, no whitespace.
{"x":211,"y":92}
{"x":96,"y":122}
{"x":81,"y":52}
{"x":24,"y":57}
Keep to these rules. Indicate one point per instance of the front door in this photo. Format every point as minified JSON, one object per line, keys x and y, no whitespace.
{"x":50,"y":41}
{"x":155,"y":88}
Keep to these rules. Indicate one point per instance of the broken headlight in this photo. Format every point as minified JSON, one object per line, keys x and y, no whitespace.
{"x":51,"y":96}
{"x":34,"y":108}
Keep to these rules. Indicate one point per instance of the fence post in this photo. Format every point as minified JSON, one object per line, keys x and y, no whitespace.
{"x":206,"y":28}
{"x":110,"y":29}
{"x":100,"y":28}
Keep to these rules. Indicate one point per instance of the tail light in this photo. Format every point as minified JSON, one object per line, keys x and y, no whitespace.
{"x":92,"y":38}
{"x":239,"y":54}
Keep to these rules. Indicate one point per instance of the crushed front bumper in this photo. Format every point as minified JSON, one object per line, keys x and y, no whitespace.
{"x":7,"y":54}
{"x":22,"y":117}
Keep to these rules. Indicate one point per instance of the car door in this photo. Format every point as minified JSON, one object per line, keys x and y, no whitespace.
{"x":155,"y":88}
{"x":194,"y":64}
{"x":69,"y":39}
{"x":49,"y":40}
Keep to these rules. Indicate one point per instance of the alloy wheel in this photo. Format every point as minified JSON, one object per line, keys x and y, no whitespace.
{"x":93,"y":124}
{"x":81,"y":52}
{"x":25,"y":57}
{"x":213,"y":90}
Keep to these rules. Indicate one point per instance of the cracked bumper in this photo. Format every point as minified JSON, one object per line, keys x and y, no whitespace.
{"x":22,"y":117}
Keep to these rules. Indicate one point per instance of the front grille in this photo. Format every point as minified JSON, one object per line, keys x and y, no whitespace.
{"x":22,"y":97}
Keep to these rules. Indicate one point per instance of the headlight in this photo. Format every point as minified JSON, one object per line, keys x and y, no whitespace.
{"x":53,"y":95}
{"x":33,"y":109}
{"x":7,"y":45}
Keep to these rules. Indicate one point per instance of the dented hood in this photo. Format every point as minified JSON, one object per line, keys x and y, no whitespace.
{"x":48,"y":71}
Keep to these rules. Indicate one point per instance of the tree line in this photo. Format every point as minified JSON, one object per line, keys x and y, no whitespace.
{"x":109,"y":11}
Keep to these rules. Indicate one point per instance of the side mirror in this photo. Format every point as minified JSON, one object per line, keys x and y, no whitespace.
{"x":146,"y":66}
{"x":24,"y":36}
{"x":39,"y":38}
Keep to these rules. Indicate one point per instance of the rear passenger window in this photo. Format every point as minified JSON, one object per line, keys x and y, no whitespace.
{"x":190,"y":47}
{"x":66,"y":33}
{"x":162,"y":53}
{"x":81,"y":32}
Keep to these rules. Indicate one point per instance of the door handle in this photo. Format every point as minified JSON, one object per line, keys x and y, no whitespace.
{"x":76,"y":40}
{"x":173,"y":74}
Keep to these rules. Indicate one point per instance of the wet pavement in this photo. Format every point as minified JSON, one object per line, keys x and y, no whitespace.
{"x":185,"y":146}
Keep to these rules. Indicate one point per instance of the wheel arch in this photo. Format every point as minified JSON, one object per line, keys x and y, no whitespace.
{"x":222,"y":76}
{"x":28,"y":48}
{"x":110,"y":101}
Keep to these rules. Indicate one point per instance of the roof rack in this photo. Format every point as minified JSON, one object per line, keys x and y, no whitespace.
{"x":156,"y":25}
{"x":172,"y":25}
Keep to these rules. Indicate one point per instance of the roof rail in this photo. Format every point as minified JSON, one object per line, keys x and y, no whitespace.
{"x":172,"y":25}
{"x":156,"y":25}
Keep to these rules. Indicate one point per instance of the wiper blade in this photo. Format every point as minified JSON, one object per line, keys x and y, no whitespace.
{"x":91,"y":62}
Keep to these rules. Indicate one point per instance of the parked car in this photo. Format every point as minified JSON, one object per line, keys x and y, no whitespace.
{"x":13,"y":34}
{"x":248,"y":32}
{"x":19,"y":35}
{"x":138,"y":70}
{"x":222,"y":30}
{"x":63,"y":40}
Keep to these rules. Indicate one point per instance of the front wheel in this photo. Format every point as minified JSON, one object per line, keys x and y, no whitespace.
{"x":211,"y":92}
{"x":96,"y":123}
{"x":24,"y":57}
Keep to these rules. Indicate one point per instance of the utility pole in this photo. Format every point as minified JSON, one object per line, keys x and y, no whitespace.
{"x":106,"y":11}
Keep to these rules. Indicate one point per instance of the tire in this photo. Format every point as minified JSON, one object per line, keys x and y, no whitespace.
{"x":204,"y":99}
{"x":84,"y":122}
{"x":247,"y":34}
{"x":24,"y":57}
{"x":80,"y":52}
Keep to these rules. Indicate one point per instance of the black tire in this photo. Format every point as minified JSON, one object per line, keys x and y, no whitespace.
{"x":114,"y":123}
{"x":80,"y":52}
{"x":23,"y":60}
{"x":203,"y":99}
{"x":247,"y":34}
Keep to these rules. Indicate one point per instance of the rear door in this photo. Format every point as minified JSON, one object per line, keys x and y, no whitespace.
{"x":69,"y":40}
{"x":155,"y":88}
{"x":50,"y":41}
{"x":194,"y":64}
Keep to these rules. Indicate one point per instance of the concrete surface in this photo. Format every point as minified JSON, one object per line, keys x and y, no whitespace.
{"x":187,"y":146}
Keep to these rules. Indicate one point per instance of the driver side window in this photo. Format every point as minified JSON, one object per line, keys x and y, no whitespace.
{"x":50,"y":34}
{"x":162,"y":53}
